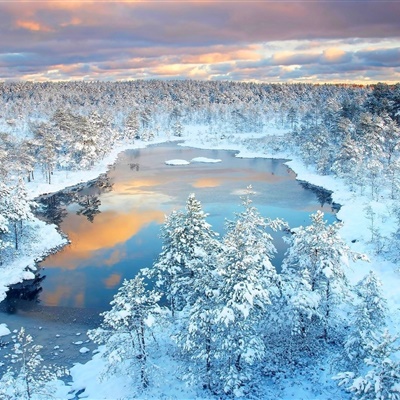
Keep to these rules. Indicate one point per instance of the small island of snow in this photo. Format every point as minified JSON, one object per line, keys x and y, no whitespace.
{"x":177,"y":162}
{"x":194,"y":160}
{"x":4,"y":331}
{"x":205,"y":160}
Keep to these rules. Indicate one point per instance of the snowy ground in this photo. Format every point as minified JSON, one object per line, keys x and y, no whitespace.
{"x":355,"y":231}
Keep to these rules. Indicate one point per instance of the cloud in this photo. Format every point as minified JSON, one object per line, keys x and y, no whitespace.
{"x":380,"y":57}
{"x":32,"y":26}
{"x":334,"y":55}
{"x":91,"y":40}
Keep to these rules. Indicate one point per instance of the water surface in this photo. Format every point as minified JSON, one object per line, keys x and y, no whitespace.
{"x":114,"y":228}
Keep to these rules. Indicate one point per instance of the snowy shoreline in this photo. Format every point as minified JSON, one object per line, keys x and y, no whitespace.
{"x":50,"y":240}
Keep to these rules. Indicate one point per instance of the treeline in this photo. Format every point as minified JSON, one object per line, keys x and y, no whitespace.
{"x":238,"y":326}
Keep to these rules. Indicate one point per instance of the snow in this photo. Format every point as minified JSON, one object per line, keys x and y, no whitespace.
{"x":150,"y":320}
{"x":46,"y":239}
{"x":193,"y":160}
{"x":177,"y":162}
{"x":4,"y":331}
{"x":205,"y":160}
{"x":355,"y":232}
{"x":84,"y":350}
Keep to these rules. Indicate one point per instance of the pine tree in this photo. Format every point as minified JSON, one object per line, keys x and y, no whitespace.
{"x":382,"y":379}
{"x":27,"y":377}
{"x":125,"y":329}
{"x":177,"y":128}
{"x":198,"y":339}
{"x":16,"y":208}
{"x":4,"y":243}
{"x":300,"y":303}
{"x":132,"y":126}
{"x":319,"y":249}
{"x":249,"y":283}
{"x":367,"y":320}
{"x":48,"y":148}
{"x":188,"y":240}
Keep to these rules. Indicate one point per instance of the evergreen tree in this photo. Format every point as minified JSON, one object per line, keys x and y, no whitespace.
{"x":367,"y":320}
{"x":188,"y":240}
{"x":3,"y":240}
{"x":125,"y":329}
{"x":177,"y":128}
{"x":27,"y":377}
{"x":198,"y":339}
{"x":249,"y":283}
{"x":300,"y":303}
{"x":319,"y":249}
{"x":48,"y":148}
{"x":132,"y":126}
{"x":382,"y":378}
{"x":16,"y":208}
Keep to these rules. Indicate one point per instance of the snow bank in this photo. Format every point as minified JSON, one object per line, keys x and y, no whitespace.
{"x":46,"y":238}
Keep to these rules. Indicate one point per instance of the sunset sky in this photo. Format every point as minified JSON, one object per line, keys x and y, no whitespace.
{"x":263,"y":41}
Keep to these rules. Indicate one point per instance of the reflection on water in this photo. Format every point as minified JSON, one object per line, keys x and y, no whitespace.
{"x":114,"y":223}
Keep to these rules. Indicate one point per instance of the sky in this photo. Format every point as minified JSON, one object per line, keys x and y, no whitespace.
{"x":356,"y":41}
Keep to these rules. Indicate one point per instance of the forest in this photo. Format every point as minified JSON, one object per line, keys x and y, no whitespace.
{"x":219,"y":311}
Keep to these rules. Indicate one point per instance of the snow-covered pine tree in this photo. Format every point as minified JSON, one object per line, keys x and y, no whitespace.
{"x":299,"y":302}
{"x":381,"y":377}
{"x":4,"y":243}
{"x":177,"y":128}
{"x":5,"y":193}
{"x":367,"y":320}
{"x":188,"y":242}
{"x":198,"y":339}
{"x":125,"y":330}
{"x":319,"y":249}
{"x":132,"y":126}
{"x":48,"y":148}
{"x":27,"y":377}
{"x":249,"y":282}
{"x":16,"y":208}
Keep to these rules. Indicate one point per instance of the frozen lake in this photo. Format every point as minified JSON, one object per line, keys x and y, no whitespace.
{"x":114,"y":224}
